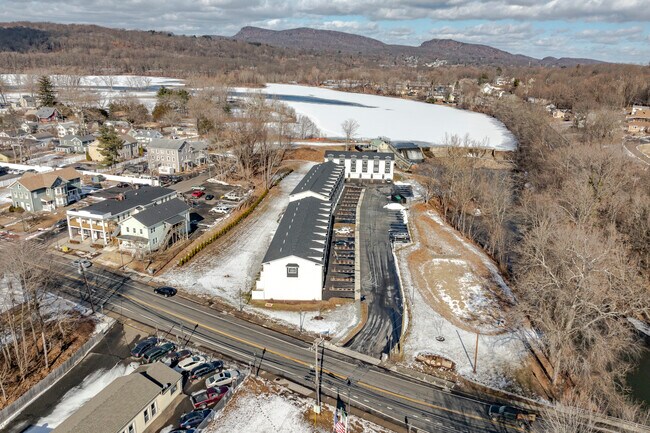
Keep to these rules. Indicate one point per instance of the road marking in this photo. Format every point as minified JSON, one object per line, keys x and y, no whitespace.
{"x":305,"y":364}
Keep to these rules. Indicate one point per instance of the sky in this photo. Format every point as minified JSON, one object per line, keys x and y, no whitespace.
{"x":609,"y":30}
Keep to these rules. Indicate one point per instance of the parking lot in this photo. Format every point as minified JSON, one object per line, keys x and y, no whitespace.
{"x":204,"y":197}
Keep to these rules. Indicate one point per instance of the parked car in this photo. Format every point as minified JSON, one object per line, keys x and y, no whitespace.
{"x":511,"y":414}
{"x":194,"y":418}
{"x":143,"y":346}
{"x":165,"y":291}
{"x":82,"y":263}
{"x":60,"y":224}
{"x":221,"y":208}
{"x":234,"y":195}
{"x":156,"y":353}
{"x":175,"y":357}
{"x":189,"y":363}
{"x":182,"y":430}
{"x":226,"y":377}
{"x":207,"y":397}
{"x":202,"y":370}
{"x":209,"y":197}
{"x":197,"y":194}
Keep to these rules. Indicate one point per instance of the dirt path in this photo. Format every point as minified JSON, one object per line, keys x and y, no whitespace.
{"x":455,"y":277}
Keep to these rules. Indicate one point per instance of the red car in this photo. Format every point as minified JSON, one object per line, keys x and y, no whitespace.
{"x":208,"y":397}
{"x":197,"y":194}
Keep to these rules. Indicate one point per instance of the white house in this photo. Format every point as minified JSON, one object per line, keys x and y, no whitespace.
{"x":374,"y":166}
{"x":294,"y":265}
{"x":155,"y":227}
{"x":67,"y":128}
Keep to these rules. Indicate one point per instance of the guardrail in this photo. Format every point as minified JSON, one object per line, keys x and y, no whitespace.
{"x":11,"y":411}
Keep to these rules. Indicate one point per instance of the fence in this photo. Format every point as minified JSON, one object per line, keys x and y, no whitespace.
{"x":9,"y":412}
{"x":222,"y":403}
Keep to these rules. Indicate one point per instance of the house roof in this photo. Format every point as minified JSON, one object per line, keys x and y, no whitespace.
{"x":33,"y":182}
{"x":121,"y":401}
{"x":348,"y":154}
{"x":124,"y":199}
{"x":84,"y":138}
{"x":166,"y":143}
{"x":321,"y":179}
{"x":405,"y":145}
{"x":45,"y":112}
{"x":302,"y":231}
{"x":42,"y":135}
{"x":160,"y":213}
{"x":127,"y":138}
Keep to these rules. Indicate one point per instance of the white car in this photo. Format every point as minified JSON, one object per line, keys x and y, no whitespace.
{"x":189,"y":363}
{"x":221,"y":209}
{"x":226,"y":377}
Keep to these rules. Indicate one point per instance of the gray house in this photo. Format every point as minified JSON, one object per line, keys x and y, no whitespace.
{"x":171,"y":156}
{"x":75,"y":143}
{"x":46,"y":191}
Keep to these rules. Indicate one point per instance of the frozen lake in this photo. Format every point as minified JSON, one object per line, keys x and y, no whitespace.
{"x":395,"y":118}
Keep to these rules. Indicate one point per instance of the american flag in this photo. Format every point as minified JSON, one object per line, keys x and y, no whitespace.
{"x":340,"y":417}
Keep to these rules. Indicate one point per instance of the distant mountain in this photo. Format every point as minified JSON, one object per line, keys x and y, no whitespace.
{"x":454,"y":52}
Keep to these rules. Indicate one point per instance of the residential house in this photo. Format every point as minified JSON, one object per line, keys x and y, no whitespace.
{"x":47,"y":114}
{"x":638,"y":127}
{"x":129,"y":404}
{"x":408,"y":150}
{"x":155,"y":227}
{"x":7,"y":156}
{"x":27,"y":102}
{"x":374,"y":166}
{"x":46,"y":191}
{"x":636,"y":108}
{"x":75,"y":143}
{"x":295,"y":263}
{"x":144,"y":136}
{"x":10,"y":136}
{"x":29,"y":127}
{"x":67,"y":128}
{"x":130,"y":149}
{"x":41,"y":138}
{"x":100,"y":221}
{"x":170,"y":156}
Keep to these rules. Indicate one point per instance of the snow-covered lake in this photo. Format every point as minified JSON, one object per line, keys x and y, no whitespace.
{"x":395,"y":118}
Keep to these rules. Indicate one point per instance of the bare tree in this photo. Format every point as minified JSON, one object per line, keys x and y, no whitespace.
{"x":350,"y":128}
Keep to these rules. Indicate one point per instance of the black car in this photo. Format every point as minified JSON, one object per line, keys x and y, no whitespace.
{"x":143,"y":346}
{"x":209,"y":197}
{"x":202,"y":370}
{"x":194,"y":418}
{"x":175,"y":357}
{"x":165,"y":291}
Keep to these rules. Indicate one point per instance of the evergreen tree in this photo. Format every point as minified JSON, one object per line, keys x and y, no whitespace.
{"x":109,"y":145}
{"x":46,"y":94}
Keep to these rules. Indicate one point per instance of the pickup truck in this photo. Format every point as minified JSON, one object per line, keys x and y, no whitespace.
{"x":207,"y":397}
{"x":510,"y":414}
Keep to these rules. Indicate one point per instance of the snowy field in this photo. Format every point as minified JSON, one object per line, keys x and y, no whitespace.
{"x":265,"y":408}
{"x":395,"y":118}
{"x":106,"y":87}
{"x":78,"y":396}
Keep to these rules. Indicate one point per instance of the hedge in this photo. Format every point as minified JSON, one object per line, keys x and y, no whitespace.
{"x":232,"y":224}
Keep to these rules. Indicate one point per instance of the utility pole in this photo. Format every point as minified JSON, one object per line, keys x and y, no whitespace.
{"x":476,"y":353}
{"x":90,"y":296}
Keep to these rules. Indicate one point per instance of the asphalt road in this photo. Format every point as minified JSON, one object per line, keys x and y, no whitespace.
{"x":390,"y":395}
{"x":379,"y":280}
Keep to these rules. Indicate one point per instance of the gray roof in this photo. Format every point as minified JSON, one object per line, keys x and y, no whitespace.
{"x":321,"y":179}
{"x":121,"y":401}
{"x":166,"y":143}
{"x":302,"y":231}
{"x":84,"y":138}
{"x":45,"y":112}
{"x":405,"y":145}
{"x":348,"y":155}
{"x":125,"y":199}
{"x":162,"y":212}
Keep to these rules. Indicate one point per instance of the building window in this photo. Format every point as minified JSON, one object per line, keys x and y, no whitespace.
{"x":375,"y":165}
{"x":292,"y":270}
{"x":353,"y":164}
{"x":174,"y":389}
{"x":153,"y":408}
{"x":131,"y":428}
{"x":140,"y":231}
{"x":146,"y":415}
{"x":364,"y":166}
{"x":387,"y":166}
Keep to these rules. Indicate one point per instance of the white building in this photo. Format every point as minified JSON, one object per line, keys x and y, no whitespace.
{"x":155,"y":227}
{"x":374,"y":166}
{"x":100,"y":221}
{"x":295,"y":264}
